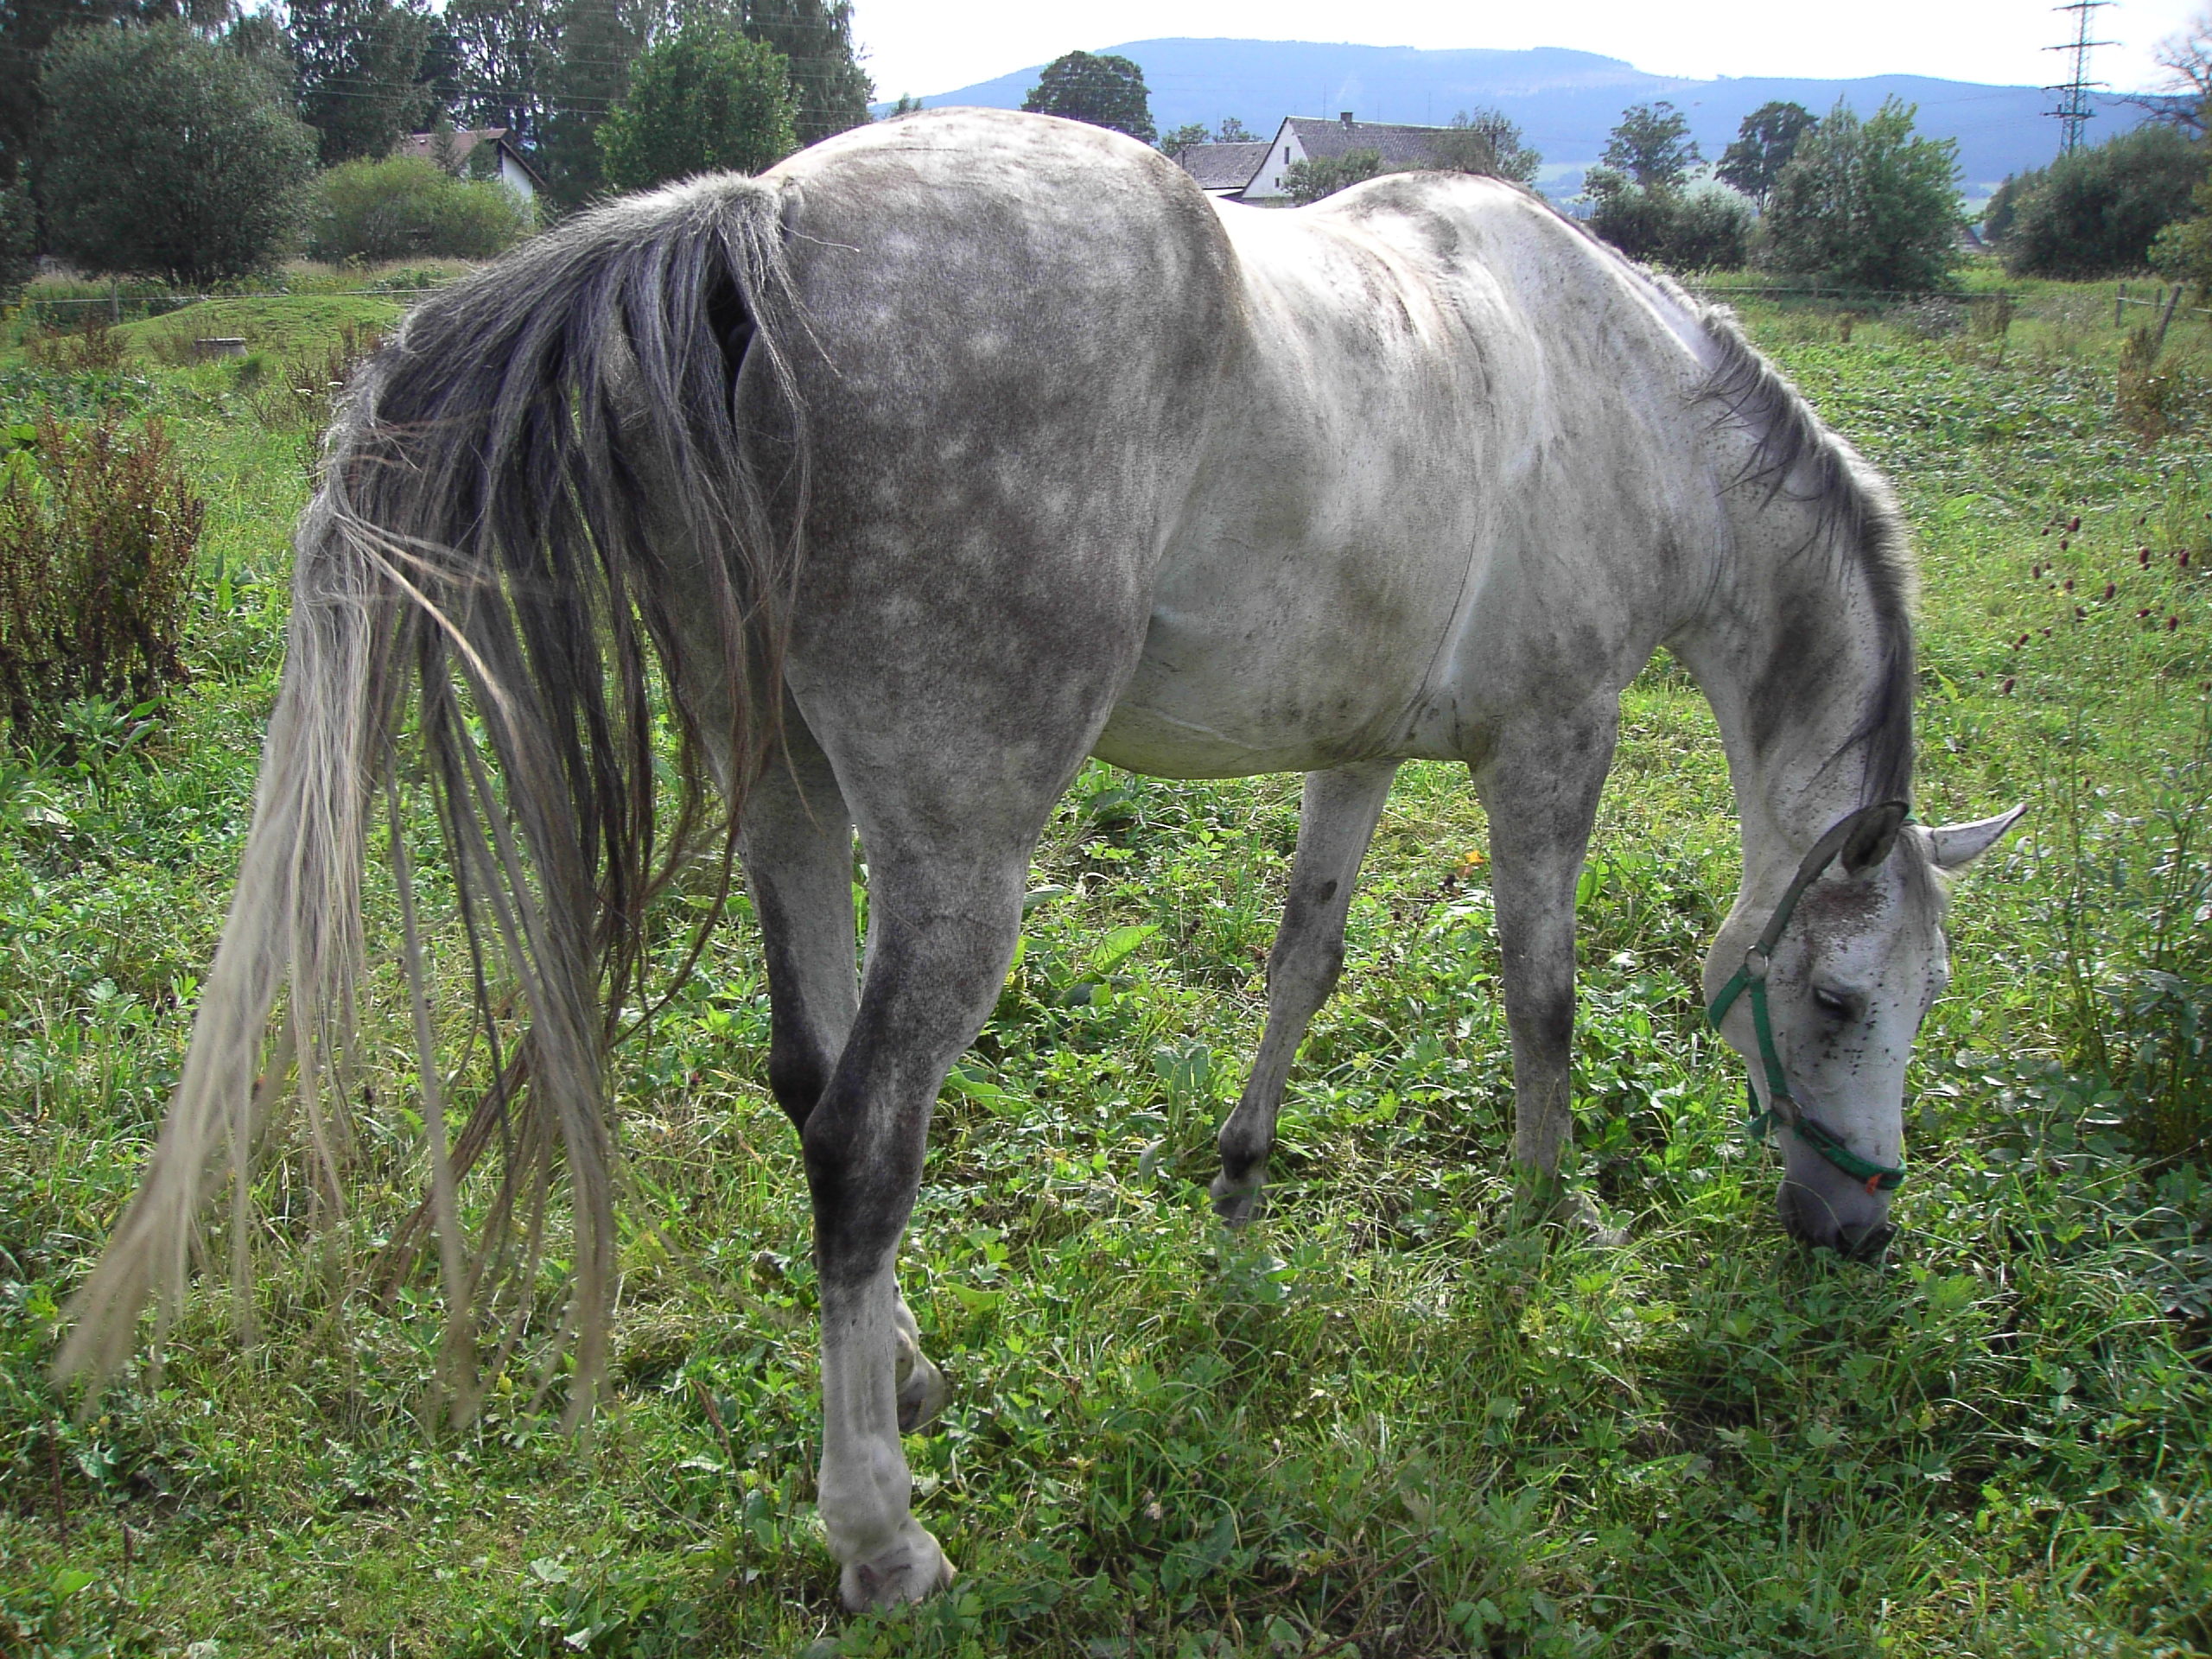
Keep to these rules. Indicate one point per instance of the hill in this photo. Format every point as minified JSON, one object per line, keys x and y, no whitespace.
{"x":1566,"y":101}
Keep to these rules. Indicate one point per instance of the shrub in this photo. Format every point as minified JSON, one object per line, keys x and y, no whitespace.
{"x":1630,"y":216}
{"x":705,"y":100}
{"x":408,"y":205}
{"x":304,"y":391}
{"x":1866,"y":204}
{"x":91,"y":348}
{"x":1712,"y":227}
{"x":2096,"y":212}
{"x":1690,"y":230}
{"x":168,"y":155}
{"x":97,"y":533}
{"x":1323,"y":176}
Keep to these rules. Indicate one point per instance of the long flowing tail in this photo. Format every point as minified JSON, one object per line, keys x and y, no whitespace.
{"x":487,"y":578}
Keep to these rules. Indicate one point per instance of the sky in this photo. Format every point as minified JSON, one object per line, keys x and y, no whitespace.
{"x":934,"y":46}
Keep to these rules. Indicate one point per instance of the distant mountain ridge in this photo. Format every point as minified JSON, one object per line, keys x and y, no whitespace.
{"x":1566,"y":101}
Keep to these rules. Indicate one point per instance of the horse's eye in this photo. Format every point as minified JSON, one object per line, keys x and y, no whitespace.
{"x":1836,"y":1007}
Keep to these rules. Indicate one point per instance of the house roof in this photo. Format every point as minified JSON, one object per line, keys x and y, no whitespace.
{"x":1223,"y":167}
{"x":424,"y":145}
{"x":1400,"y":146}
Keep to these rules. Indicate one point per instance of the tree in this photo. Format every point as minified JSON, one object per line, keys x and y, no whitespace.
{"x":505,"y":48}
{"x":1867,"y":203}
{"x":1484,"y":142}
{"x":704,"y":100}
{"x":1233,"y":131}
{"x":2187,"y":58}
{"x":596,"y":42}
{"x":1186,"y":136}
{"x":28,"y":26}
{"x":1764,"y":144}
{"x":2095,"y":212}
{"x":1652,"y":145}
{"x":829,"y":89}
{"x":1323,"y":176}
{"x":169,"y":155}
{"x":18,"y":240}
{"x":1097,"y":87}
{"x":360,"y":72}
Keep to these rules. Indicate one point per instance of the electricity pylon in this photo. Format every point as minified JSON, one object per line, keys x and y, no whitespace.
{"x":2075,"y":110}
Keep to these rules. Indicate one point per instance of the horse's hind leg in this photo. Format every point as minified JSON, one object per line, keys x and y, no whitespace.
{"x":798,"y":848}
{"x":942,"y":931}
{"x":1336,"y":820}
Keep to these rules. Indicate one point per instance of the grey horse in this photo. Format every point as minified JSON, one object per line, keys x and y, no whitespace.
{"x":895,"y":483}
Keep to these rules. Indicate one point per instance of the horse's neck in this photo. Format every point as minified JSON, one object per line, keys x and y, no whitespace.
{"x":1795,"y":656}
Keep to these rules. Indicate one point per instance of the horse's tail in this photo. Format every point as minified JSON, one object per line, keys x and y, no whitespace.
{"x":531,"y":495}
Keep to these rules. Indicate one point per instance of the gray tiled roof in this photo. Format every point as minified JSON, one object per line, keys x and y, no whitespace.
{"x":1400,"y":146}
{"x":1223,"y":167}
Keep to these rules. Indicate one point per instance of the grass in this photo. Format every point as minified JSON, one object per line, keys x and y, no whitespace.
{"x":1392,"y":1421}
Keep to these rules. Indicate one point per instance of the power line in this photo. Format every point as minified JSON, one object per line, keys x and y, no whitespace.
{"x":2075,"y":109}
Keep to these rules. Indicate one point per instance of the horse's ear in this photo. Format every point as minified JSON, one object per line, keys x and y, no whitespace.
{"x":1872,"y":835}
{"x":1957,"y":845}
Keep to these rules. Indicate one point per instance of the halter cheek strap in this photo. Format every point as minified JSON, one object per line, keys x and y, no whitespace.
{"x":1782,"y":1106}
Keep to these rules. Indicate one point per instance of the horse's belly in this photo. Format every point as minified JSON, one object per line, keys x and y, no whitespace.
{"x":1229,"y":697}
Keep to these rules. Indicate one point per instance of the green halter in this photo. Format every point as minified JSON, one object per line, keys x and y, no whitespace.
{"x":1782,"y":1107}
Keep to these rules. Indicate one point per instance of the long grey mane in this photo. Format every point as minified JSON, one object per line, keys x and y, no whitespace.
{"x":1856,"y":516}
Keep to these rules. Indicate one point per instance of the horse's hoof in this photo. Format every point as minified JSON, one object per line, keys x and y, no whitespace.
{"x":910,"y":1570}
{"x":1234,"y":1201}
{"x":921,"y":1386}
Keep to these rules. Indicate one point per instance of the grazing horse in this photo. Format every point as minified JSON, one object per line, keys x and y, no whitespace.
{"x":897,"y":481}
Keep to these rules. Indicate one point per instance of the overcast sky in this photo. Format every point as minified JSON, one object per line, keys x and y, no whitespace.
{"x":934,"y":46}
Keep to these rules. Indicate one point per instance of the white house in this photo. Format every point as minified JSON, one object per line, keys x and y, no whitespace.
{"x":1300,"y":139}
{"x":457,"y":148}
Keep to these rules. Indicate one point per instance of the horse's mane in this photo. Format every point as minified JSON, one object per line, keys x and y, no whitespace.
{"x":1858,"y":521}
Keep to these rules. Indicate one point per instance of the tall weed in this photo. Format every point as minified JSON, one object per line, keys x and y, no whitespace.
{"x":98,"y":532}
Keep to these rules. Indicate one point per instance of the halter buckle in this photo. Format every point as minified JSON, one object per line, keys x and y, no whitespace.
{"x":1756,"y":963}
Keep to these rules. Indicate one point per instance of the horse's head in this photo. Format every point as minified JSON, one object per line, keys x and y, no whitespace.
{"x":1842,"y":967}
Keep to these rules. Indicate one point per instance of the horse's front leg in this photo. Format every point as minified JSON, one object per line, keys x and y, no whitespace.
{"x":1539,"y":784}
{"x":1336,"y":820}
{"x":940,"y":939}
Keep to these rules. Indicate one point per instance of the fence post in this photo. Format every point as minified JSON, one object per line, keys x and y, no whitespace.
{"x":2119,"y":300}
{"x":114,"y":303}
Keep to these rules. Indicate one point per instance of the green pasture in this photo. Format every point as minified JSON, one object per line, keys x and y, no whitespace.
{"x":1396,"y":1419}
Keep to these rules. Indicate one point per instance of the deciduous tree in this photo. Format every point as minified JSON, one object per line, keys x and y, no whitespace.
{"x":1486,"y":141}
{"x":704,"y":100}
{"x":1764,"y":144}
{"x":1097,"y":87}
{"x":2095,"y":212}
{"x":1652,"y":145}
{"x":360,"y":64}
{"x":1867,"y":203}
{"x":169,"y":155}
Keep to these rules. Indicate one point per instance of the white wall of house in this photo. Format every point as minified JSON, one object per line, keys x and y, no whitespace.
{"x":511,"y":175}
{"x":1267,"y":183}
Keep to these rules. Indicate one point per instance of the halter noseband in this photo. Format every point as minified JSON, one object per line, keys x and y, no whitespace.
{"x":1781,"y":1106}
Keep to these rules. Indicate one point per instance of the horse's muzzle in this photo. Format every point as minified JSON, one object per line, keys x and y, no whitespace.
{"x":1848,"y":1220}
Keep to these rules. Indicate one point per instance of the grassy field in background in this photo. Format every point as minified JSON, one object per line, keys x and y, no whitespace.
{"x":1389,"y":1421}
